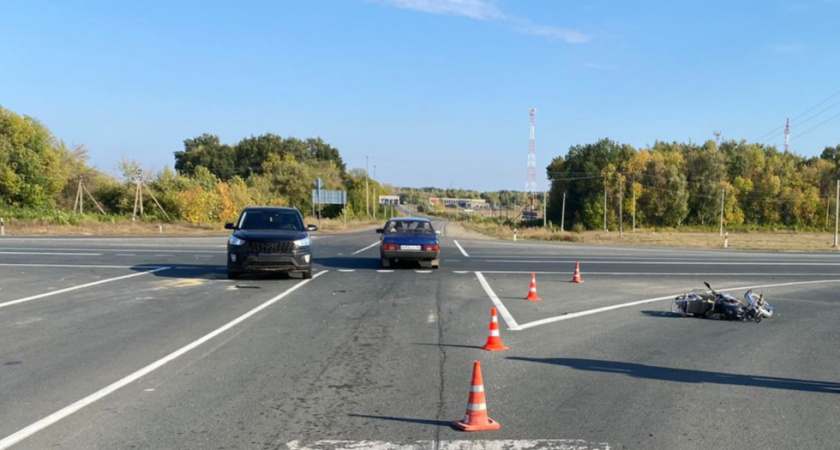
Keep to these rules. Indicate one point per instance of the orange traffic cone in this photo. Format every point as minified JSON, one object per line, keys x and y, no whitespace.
{"x":532,"y":290}
{"x":476,"y":417}
{"x":576,"y":278}
{"x":494,"y":340}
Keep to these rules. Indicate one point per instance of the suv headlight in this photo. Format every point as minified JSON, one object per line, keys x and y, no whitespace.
{"x":305,"y":242}
{"x":235,"y":241}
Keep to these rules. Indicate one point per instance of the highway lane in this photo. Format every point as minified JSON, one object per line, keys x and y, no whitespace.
{"x":361,"y":354}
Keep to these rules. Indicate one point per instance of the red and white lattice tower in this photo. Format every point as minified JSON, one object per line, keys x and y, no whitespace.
{"x":531,"y":184}
{"x":787,"y":135}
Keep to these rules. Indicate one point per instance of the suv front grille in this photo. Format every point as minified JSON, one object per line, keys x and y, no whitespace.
{"x":271,"y":246}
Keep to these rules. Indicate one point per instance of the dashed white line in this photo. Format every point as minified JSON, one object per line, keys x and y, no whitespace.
{"x":81,"y":286}
{"x":462,"y":249}
{"x":40,"y":425}
{"x":369,"y":246}
{"x":509,"y":320}
{"x":346,"y":270}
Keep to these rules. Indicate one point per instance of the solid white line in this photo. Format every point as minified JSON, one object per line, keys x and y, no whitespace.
{"x":81,"y":286}
{"x":509,"y":320}
{"x":670,"y":274}
{"x":651,"y":300}
{"x":665,"y":263}
{"x":507,"y":444}
{"x":120,"y":249}
{"x":50,"y":254}
{"x":461,"y":248}
{"x":80,"y":266}
{"x":40,"y":425}
{"x":369,"y":246}
{"x":346,"y":270}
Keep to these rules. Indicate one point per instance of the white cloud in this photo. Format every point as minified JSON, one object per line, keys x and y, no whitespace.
{"x":570,"y":36}
{"x":474,"y":9}
{"x":484,"y":10}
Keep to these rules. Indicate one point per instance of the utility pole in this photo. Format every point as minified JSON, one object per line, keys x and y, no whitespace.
{"x":722,"y":199}
{"x":367,"y":192}
{"x":620,"y":209}
{"x":545,"y":207}
{"x":138,"y":195}
{"x":563,"y":214}
{"x":605,"y":203}
{"x":634,"y":202}
{"x":836,"y":212}
{"x":376,"y":202}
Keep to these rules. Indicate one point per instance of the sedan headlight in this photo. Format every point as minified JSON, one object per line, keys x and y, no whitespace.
{"x":305,"y":242}
{"x":235,"y":241}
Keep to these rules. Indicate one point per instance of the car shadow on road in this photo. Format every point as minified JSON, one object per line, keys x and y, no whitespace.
{"x":350,"y":262}
{"x":663,"y":314}
{"x":446,"y":345}
{"x":688,"y":376}
{"x":202,"y":271}
{"x":439,"y":423}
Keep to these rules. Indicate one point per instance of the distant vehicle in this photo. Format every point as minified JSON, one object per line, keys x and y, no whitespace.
{"x":409,"y":239}
{"x":269,"y":239}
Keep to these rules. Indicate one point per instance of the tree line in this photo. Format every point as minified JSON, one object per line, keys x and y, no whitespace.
{"x":210,"y":183}
{"x":689,"y":184}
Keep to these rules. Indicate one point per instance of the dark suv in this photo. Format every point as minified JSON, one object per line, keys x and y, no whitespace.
{"x":269,"y":239}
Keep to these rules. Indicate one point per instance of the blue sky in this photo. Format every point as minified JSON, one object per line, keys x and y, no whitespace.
{"x":434,"y":92}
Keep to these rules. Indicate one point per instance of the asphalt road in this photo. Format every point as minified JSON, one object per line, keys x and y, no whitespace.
{"x":115,"y":343}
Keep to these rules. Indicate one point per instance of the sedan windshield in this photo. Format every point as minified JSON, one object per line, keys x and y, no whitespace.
{"x":270,"y":220}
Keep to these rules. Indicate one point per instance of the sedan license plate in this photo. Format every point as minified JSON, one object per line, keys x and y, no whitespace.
{"x":410,"y":247}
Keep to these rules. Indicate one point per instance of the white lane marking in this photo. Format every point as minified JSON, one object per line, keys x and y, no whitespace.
{"x":422,"y":271}
{"x":665,"y":263}
{"x":50,"y":254}
{"x":657,"y":299}
{"x":508,"y":444}
{"x":369,"y":246}
{"x":384,"y":271}
{"x":669,"y":274}
{"x":163,"y":255}
{"x":125,"y":254}
{"x":79,"y":266}
{"x":462,"y":249}
{"x":509,"y":320}
{"x":460,"y":271}
{"x":137,"y":250}
{"x":81,"y":286}
{"x":346,"y":270}
{"x":40,"y":425}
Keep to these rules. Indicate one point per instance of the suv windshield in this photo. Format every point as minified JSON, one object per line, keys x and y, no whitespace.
{"x":409,"y":226}
{"x":270,"y":220}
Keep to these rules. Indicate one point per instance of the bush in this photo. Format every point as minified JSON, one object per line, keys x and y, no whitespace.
{"x":578,"y":228}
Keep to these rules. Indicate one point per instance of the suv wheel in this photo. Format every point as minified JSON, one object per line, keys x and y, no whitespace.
{"x":307,"y":274}
{"x":232,"y":275}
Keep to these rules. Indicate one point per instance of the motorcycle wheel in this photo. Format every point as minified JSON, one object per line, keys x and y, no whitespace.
{"x":758,"y":318}
{"x":676,"y":308}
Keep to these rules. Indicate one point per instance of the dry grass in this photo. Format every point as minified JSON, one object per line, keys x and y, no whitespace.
{"x":770,"y":240}
{"x":128,"y":228}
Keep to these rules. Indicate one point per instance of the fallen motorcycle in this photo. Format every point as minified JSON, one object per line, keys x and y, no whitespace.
{"x":717,"y":305}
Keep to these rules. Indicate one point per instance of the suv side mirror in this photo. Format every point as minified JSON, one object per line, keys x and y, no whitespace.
{"x":380,"y":230}
{"x":311,"y":228}
{"x":229,"y":226}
